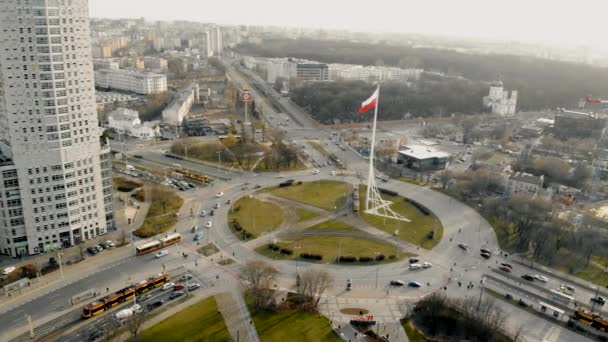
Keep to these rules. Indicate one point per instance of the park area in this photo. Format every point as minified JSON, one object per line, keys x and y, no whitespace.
{"x":324,"y":194}
{"x":162,"y":214}
{"x":198,"y":322}
{"x":295,"y":326}
{"x":256,"y":216}
{"x":417,"y":231}
{"x":305,"y":214}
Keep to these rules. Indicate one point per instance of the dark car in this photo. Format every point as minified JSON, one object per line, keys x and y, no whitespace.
{"x":176,"y":294}
{"x":212,"y":212}
{"x":414,"y":260}
{"x":155,"y":305}
{"x":507,"y":265}
{"x":463,"y":246}
{"x":528,"y":277}
{"x":96,"y":335}
{"x":186,"y":277}
{"x":138,"y":156}
{"x":599,"y":300}
{"x":257,"y":186}
{"x":92,"y":250}
{"x":414,"y":284}
{"x":397,"y":283}
{"x":486,"y":251}
{"x":486,"y":255}
{"x":505,"y":268}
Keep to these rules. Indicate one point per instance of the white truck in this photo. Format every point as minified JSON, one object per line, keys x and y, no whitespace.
{"x":124,"y":314}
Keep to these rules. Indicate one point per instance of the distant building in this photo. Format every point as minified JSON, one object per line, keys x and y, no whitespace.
{"x":140,"y":82}
{"x":181,"y":104}
{"x":312,"y":72}
{"x":571,"y":124}
{"x":499,"y":100}
{"x":127,"y":121}
{"x":196,"y":125}
{"x":524,"y":184}
{"x":351,"y":72}
{"x":105,"y":64}
{"x":281,"y":69}
{"x":423,"y":158}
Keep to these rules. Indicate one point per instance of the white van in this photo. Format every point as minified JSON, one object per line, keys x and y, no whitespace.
{"x":162,"y":253}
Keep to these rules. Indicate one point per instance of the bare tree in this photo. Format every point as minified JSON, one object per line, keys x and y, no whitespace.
{"x":445,"y":178}
{"x":135,"y":322}
{"x":314,"y":283}
{"x":260,"y":276}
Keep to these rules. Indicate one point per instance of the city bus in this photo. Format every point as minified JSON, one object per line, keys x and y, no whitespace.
{"x":170,"y":239}
{"x":561,"y":297}
{"x":147,"y":247}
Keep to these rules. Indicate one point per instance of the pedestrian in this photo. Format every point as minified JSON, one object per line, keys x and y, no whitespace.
{"x":459,"y":230}
{"x":450,"y":239}
{"x":459,"y":284}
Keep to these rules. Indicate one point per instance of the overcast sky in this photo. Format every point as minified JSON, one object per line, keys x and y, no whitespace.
{"x":569,"y":22}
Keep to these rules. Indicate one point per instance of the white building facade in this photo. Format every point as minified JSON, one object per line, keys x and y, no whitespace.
{"x":127,"y":121}
{"x":527,"y":184}
{"x":55,"y":172}
{"x":281,"y":68}
{"x":499,"y":100}
{"x":181,"y":104}
{"x":139,"y":82}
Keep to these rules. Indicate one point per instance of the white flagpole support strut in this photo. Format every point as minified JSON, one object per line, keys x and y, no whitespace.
{"x":374,"y":203}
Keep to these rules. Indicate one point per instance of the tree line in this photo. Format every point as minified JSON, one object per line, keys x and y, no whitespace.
{"x":541,"y":83}
{"x":430,"y":96}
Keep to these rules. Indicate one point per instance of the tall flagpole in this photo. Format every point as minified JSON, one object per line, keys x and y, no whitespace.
{"x":370,"y":176}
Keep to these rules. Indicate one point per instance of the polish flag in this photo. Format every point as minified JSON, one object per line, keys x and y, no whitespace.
{"x":590,"y":100}
{"x":369,"y":103}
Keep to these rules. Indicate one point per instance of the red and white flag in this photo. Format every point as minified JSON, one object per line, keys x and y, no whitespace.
{"x":370,"y":103}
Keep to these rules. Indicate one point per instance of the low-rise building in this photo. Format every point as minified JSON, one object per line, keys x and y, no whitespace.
{"x":181,"y":104}
{"x":127,"y":121}
{"x":196,"y":125}
{"x":499,"y":101}
{"x":573,"y":124}
{"x":137,"y":81}
{"x":423,"y":158}
{"x":312,"y":71}
{"x":520,"y":183}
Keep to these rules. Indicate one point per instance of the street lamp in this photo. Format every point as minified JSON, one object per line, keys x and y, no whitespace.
{"x":59,"y":254}
{"x":377,"y":268}
{"x":219,"y":159}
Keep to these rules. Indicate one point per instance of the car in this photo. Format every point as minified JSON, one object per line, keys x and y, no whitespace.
{"x":178,"y":287}
{"x":216,"y":206}
{"x":566,"y":288}
{"x":414,"y":261}
{"x":104,"y":245}
{"x":527,"y":277}
{"x":332,"y":173}
{"x":110,"y":243}
{"x":486,"y":255}
{"x":244,"y":188}
{"x":95,"y":335}
{"x":219,"y":194}
{"x":167,"y":286}
{"x":197,"y":237}
{"x":195,"y":229}
{"x":486,"y":251}
{"x":349,"y":284}
{"x":155,"y":305}
{"x":8,"y":270}
{"x":92,"y":250}
{"x":599,"y":300}
{"x":99,"y":248}
{"x":464,"y":246}
{"x":161,"y":254}
{"x":541,"y":278}
{"x":415,"y":266}
{"x":505,"y":269}
{"x":209,"y":224}
{"x":186,"y":277}
{"x":257,"y":186}
{"x":211,"y":212}
{"x":506,"y":265}
{"x":176,"y":294}
{"x":427,"y":264}
{"x":414,"y":284}
{"x":194,"y":286}
{"x":229,"y":202}
{"x":397,"y":283}
{"x":315,"y":172}
{"x":203,"y":213}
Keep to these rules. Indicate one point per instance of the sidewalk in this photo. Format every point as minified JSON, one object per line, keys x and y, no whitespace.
{"x":236,"y":316}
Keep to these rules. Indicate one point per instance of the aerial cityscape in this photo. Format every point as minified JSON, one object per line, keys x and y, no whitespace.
{"x":225,"y":172}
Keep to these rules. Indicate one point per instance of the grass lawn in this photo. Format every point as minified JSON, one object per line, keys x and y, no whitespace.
{"x":594,"y":274}
{"x":332,"y":224}
{"x":324,"y":194}
{"x":415,"y":231}
{"x":256,"y":216}
{"x":328,"y":246}
{"x":125,"y":185}
{"x":162,"y":215}
{"x":305,"y":214}
{"x":198,"y":322}
{"x":412,"y":334}
{"x":208,"y":249}
{"x":293,"y":327}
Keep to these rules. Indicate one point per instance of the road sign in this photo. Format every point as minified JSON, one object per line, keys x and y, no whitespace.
{"x":246,"y":97}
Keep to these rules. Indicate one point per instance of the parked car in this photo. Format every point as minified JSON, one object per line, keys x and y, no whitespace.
{"x":528,"y":277}
{"x":397,"y":283}
{"x":92,"y":250}
{"x":203,"y":213}
{"x":566,"y":288}
{"x":197,"y":237}
{"x":219,"y":194}
{"x":186,"y":277}
{"x":176,"y":294}
{"x":414,"y":284}
{"x":194,"y":286}
{"x":178,"y":287}
{"x":505,"y":269}
{"x":99,"y":248}
{"x":95,"y":335}
{"x":427,"y":264}
{"x":506,"y":265}
{"x":485,"y":250}
{"x":216,"y":206}
{"x":195,"y":229}
{"x":415,"y":266}
{"x":161,"y":254}
{"x":414,"y":261}
{"x":212,"y":212}
{"x":167,"y":286}
{"x":486,"y":255}
{"x":104,"y":245}
{"x":464,"y":246}
{"x":8,"y":270}
{"x":541,"y":278}
{"x":209,"y":224}
{"x":315,"y":172}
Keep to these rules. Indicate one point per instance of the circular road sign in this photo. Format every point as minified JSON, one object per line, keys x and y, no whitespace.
{"x":246,"y":97}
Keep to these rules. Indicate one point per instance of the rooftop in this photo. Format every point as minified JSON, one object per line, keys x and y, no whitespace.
{"x":423,"y":152}
{"x":526,"y":178}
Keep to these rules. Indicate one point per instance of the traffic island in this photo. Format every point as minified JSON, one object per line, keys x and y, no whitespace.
{"x":162,"y":214}
{"x":324,"y":194}
{"x":249,"y":217}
